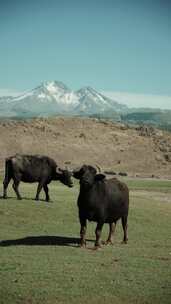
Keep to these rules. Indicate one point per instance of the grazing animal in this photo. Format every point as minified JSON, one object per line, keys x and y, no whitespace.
{"x":33,"y":168}
{"x":102,"y":201}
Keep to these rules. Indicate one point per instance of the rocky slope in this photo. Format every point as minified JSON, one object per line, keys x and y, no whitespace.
{"x":139,"y":151}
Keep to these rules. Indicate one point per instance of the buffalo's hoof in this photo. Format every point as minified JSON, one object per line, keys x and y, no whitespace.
{"x":48,"y":200}
{"x":83,"y":245}
{"x":108,"y":242}
{"x":124,"y":242}
{"x":19,"y":198}
{"x":97,"y":247}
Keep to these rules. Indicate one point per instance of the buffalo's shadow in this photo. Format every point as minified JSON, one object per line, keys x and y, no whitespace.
{"x":26,"y":198}
{"x":42,"y":240}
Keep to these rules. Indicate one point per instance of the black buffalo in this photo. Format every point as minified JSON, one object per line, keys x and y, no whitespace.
{"x":33,"y":168}
{"x":102,"y":201}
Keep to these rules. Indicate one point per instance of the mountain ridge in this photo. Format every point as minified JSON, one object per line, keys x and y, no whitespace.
{"x":55,"y":97}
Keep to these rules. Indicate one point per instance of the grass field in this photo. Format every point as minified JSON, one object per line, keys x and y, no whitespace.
{"x":41,"y":262}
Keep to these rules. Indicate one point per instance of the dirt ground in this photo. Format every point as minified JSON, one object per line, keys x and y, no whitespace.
{"x":74,"y":141}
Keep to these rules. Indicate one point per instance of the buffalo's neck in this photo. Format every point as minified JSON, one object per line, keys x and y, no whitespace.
{"x":87,"y":193}
{"x":84,"y":192}
{"x":55,"y":176}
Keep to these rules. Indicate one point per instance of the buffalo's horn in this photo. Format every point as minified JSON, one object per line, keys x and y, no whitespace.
{"x":98,"y":168}
{"x":58,"y":170}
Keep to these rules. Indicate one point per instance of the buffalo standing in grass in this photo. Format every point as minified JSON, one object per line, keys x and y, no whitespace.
{"x":33,"y":168}
{"x":102,"y":201}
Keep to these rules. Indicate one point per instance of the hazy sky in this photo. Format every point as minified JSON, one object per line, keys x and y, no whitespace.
{"x":122,"y":46}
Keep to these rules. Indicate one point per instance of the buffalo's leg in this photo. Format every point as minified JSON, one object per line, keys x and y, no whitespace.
{"x":112,"y":227}
{"x":83,"y":229}
{"x":39,"y":188}
{"x":15,"y":187}
{"x":6,"y":183}
{"x":7,"y":178}
{"x":125,"y":227}
{"x":46,"y":189}
{"x":98,"y":232}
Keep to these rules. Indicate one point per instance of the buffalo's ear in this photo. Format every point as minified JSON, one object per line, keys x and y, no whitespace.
{"x":100,"y":177}
{"x":76,"y":174}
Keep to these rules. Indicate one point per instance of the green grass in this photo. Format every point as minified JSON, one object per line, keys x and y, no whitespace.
{"x":42,"y":263}
{"x":149,"y":184}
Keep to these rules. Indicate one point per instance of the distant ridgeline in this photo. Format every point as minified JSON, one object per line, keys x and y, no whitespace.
{"x":160,"y":118}
{"x":157,"y":118}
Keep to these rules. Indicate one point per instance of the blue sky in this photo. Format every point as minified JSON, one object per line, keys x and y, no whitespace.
{"x":122,"y":46}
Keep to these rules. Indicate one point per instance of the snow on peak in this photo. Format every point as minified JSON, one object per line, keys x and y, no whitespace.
{"x":58,"y":92}
{"x":51,"y":87}
{"x":93,"y":94}
{"x":54,"y":86}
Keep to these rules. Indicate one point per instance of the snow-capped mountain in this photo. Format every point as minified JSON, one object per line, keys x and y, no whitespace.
{"x":56,"y":98}
{"x":91,"y":101}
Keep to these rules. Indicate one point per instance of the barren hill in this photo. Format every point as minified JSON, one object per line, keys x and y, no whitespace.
{"x":141,"y":151}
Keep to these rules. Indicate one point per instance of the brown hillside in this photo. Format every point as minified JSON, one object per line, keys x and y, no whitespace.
{"x":73,"y":141}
